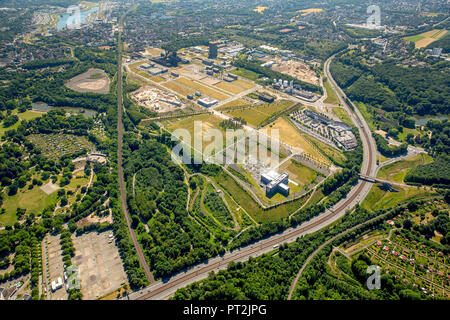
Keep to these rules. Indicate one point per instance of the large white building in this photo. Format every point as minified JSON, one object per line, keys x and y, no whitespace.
{"x":206,"y":102}
{"x":276,"y":183}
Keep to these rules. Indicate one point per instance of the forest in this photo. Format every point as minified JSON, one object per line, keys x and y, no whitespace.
{"x":174,"y":240}
{"x":269,"y":276}
{"x":412,"y":90}
{"x":387,"y":150}
{"x":438,"y":145}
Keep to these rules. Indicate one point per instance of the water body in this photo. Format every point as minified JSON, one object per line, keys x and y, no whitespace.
{"x":43,"y":107}
{"x":421,"y":121}
{"x":62,"y":22}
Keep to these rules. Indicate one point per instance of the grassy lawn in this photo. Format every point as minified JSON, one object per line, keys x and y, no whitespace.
{"x":299,"y":173}
{"x":157,"y":79}
{"x":202,"y":88}
{"x":251,"y":207}
{"x":292,"y":136}
{"x":234,"y":104}
{"x":415,"y":38}
{"x":34,"y":201}
{"x":178,"y":88}
{"x":379,"y":199}
{"x":244,"y":84}
{"x":332,"y":98}
{"x":27,"y":115}
{"x":343,"y":115}
{"x":258,"y":114}
{"x":406,"y":131}
{"x":232,"y":89}
{"x":424,"y":39}
{"x":331,"y":153}
{"x":208,"y":122}
{"x":245,"y":73}
{"x":397,"y":171}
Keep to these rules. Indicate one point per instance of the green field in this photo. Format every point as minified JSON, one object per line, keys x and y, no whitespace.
{"x":343,"y":115}
{"x":331,"y":153}
{"x":208,"y":91}
{"x":299,"y":173}
{"x":331,"y":95}
{"x":397,"y":171}
{"x":415,"y":38}
{"x":34,"y":201}
{"x":379,"y":199}
{"x":256,"y":115}
{"x":245,"y":73}
{"x":27,"y":115}
{"x":251,"y":207}
{"x":234,"y":104}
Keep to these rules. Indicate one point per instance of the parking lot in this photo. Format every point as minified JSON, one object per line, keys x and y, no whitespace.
{"x":53,"y":267}
{"x":100,"y":266}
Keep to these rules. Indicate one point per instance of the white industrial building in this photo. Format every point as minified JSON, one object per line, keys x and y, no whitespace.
{"x":206,"y":102}
{"x":276,"y":183}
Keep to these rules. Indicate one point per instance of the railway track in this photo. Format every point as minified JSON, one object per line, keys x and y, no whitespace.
{"x":120,"y":128}
{"x":291,"y":233}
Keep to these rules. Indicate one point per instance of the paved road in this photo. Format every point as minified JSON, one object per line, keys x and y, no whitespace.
{"x":309,"y":259}
{"x":162,"y":290}
{"x":123,"y":196}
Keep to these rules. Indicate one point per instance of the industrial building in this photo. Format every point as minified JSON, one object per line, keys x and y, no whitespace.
{"x":276,"y":183}
{"x":206,"y":102}
{"x":156,"y":71}
{"x":314,"y":115}
{"x":230,"y":77}
{"x":208,"y":62}
{"x":266,"y":98}
{"x":293,"y":90}
{"x":213,"y":50}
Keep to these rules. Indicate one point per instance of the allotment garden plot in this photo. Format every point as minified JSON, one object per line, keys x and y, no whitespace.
{"x":54,"y":146}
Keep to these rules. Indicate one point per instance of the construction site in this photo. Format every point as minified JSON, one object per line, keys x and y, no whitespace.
{"x":156,"y":99}
{"x":295,"y":69}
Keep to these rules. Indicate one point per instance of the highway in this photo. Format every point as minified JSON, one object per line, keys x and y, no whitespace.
{"x":123,"y":195}
{"x":163,"y":290}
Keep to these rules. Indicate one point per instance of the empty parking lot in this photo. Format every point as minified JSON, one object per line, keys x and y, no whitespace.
{"x":100,"y":266}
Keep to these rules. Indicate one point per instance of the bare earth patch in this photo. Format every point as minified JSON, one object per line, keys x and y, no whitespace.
{"x":49,"y":188}
{"x":93,"y":80}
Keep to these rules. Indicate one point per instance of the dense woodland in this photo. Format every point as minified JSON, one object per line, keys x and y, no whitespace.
{"x":269,"y":276}
{"x":174,"y":241}
{"x":390,"y":87}
{"x":438,"y":146}
{"x":389,"y":150}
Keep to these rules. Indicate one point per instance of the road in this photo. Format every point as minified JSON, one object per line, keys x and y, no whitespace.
{"x":162,"y":290}
{"x":309,"y":259}
{"x":123,"y":195}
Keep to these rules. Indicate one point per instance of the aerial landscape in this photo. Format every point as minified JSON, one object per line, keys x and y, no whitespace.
{"x":206,"y":150}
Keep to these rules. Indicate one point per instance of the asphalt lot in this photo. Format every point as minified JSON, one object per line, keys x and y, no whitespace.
{"x":54,"y":266}
{"x":100,"y":266}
